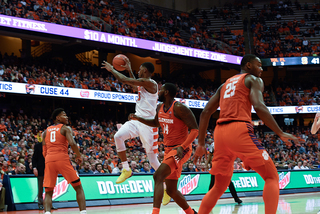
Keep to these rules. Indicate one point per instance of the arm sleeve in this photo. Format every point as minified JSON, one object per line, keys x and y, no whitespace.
{"x":192,"y":135}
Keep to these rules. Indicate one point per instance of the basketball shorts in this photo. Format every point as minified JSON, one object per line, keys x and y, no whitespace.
{"x":236,"y":139}
{"x":65,"y":168}
{"x":148,"y":135}
{"x":177,"y":164}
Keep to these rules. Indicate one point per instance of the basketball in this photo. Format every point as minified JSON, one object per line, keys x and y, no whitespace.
{"x":119,"y":60}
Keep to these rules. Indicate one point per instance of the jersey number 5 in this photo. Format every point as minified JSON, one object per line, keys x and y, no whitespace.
{"x":52,"y":137}
{"x":230,"y":89}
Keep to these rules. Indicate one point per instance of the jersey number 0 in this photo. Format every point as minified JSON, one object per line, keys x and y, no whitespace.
{"x":52,"y":137}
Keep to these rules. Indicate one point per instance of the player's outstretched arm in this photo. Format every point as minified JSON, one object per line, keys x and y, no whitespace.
{"x":316,"y":124}
{"x":149,"y":122}
{"x":256,"y":98}
{"x":127,"y":66}
{"x":184,"y":113}
{"x":205,"y":116}
{"x":72,"y":143}
{"x":146,"y":83}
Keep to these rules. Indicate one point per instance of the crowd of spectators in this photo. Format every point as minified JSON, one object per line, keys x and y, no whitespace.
{"x":94,"y":78}
{"x":285,"y":38}
{"x":19,"y":133}
{"x":150,"y":24}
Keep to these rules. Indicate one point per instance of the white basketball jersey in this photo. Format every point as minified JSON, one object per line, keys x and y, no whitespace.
{"x":146,"y":105}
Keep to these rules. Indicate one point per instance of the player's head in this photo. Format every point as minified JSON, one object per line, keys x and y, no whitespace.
{"x":168,"y":90}
{"x":146,"y":70}
{"x":59,"y":116}
{"x":252,"y":64}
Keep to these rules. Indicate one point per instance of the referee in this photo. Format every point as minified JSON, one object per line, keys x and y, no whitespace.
{"x":231,"y":186}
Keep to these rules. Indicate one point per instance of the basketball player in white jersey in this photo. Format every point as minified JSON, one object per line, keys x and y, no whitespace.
{"x":145,"y":107}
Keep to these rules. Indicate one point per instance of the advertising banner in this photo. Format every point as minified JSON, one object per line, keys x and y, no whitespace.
{"x":79,"y":33}
{"x":54,"y":91}
{"x":140,"y":186}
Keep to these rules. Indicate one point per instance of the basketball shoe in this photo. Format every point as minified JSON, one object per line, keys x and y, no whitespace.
{"x":125,"y":174}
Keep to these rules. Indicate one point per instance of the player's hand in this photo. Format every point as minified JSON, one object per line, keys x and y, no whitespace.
{"x":107,"y":66}
{"x":316,"y":118}
{"x":285,"y":137}
{"x":132,"y":116}
{"x":35,"y":172}
{"x":179,"y":151}
{"x":127,"y":66}
{"x":78,"y":160}
{"x":200,"y":151}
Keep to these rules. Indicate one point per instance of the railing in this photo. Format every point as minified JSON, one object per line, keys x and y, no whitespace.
{"x":44,"y":48}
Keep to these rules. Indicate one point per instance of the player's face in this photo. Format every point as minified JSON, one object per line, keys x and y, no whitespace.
{"x":141,"y":71}
{"x":63,"y":118}
{"x":256,"y":67}
{"x":161,"y":94}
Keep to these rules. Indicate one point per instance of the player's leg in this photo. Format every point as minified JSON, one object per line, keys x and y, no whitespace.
{"x":211,"y":198}
{"x":80,"y":198}
{"x":222,"y":168}
{"x":70,"y":174}
{"x":176,"y":195}
{"x":49,"y":182}
{"x":128,"y":130}
{"x":253,"y":154}
{"x":271,"y":187}
{"x":48,"y":199}
{"x":159,"y":176}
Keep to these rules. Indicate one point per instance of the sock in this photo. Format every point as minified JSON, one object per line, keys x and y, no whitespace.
{"x":83,"y":212}
{"x":125,"y":165}
{"x":47,"y":212}
{"x":156,"y":210}
{"x":189,"y":211}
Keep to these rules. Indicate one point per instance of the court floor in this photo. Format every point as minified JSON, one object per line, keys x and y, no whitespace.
{"x":288,"y":204}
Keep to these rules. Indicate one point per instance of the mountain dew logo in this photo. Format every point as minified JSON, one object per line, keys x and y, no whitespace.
{"x":188,"y":184}
{"x":284,"y":180}
{"x":60,"y":189}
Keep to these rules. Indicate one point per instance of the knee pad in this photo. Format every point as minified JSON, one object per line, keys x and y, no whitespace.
{"x":48,"y":189}
{"x":119,"y":141}
{"x":153,"y":159}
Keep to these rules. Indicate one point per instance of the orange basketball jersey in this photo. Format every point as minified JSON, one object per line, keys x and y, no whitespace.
{"x":234,"y":100}
{"x":175,"y":131}
{"x":57,"y":144}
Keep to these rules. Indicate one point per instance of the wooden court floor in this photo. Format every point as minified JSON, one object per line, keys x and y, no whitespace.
{"x":288,"y":204}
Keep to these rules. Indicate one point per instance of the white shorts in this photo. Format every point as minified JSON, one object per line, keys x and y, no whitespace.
{"x":148,"y":135}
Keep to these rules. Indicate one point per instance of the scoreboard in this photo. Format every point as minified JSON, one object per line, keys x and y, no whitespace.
{"x":287,"y":61}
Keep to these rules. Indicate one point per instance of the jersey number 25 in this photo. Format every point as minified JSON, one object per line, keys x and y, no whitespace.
{"x":230,"y":89}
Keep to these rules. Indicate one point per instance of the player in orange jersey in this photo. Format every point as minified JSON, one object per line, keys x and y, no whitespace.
{"x":234,"y":135}
{"x":55,"y":152}
{"x":175,"y":119}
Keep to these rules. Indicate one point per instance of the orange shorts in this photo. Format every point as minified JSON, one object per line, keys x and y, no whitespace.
{"x":175,"y":164}
{"x":65,"y":168}
{"x":236,"y":139}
